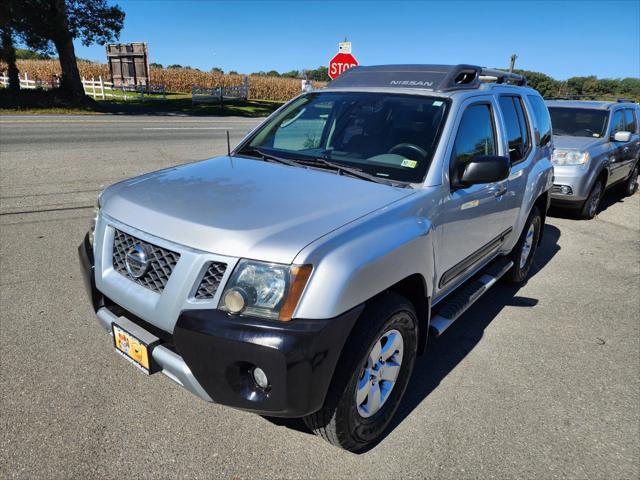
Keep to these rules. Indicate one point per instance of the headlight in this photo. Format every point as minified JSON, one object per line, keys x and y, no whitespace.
{"x":94,"y":220}
{"x":267,"y":290}
{"x":569,"y":157}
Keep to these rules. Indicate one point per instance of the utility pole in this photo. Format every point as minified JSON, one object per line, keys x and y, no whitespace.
{"x":513,"y":62}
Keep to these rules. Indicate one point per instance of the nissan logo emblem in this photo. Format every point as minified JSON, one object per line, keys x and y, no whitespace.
{"x":137,"y":261}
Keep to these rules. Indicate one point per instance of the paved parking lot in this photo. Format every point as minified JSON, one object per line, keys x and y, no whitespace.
{"x":537,"y":382}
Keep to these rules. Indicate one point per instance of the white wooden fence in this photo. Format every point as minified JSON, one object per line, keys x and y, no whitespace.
{"x":219,"y":94}
{"x":102,"y":90}
{"x":98,"y":89}
{"x":25,"y":82}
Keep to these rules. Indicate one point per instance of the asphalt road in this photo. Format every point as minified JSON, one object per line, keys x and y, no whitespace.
{"x":537,"y":382}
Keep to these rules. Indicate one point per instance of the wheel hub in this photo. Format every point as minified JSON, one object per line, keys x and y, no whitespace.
{"x":527,"y":245}
{"x":379,"y":374}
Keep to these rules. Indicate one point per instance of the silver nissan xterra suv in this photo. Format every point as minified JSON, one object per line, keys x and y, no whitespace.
{"x":302,"y":274}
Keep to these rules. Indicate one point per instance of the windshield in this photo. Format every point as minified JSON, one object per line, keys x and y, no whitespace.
{"x":578,"y":122}
{"x":384,"y":135}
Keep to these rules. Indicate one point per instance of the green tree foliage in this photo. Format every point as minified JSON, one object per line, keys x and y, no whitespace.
{"x":43,"y":25}
{"x":26,"y":54}
{"x":587,"y":88}
{"x":155,"y":65}
{"x":320,"y":74}
{"x":175,"y":65}
{"x":217,"y":70}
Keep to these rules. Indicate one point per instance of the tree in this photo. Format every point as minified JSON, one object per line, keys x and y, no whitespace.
{"x":320,"y":74}
{"x":292,"y":74}
{"x":26,"y":54}
{"x":8,"y":54}
{"x":155,"y":65}
{"x":217,"y":70}
{"x":41,"y":24}
{"x":7,"y":49}
{"x":175,"y":65}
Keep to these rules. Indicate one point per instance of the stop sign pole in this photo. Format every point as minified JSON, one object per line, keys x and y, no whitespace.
{"x":343,"y":61}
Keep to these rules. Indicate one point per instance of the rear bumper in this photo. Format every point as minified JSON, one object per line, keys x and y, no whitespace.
{"x":213,"y":354}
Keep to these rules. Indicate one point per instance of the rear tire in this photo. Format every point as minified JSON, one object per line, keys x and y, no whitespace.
{"x":631,"y":185}
{"x":349,"y":418}
{"x":592,"y":203}
{"x":524,"y":251}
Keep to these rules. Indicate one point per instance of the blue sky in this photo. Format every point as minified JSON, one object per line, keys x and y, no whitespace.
{"x":562,"y":39}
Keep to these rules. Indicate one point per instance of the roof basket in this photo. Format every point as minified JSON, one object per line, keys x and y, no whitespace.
{"x":441,"y":78}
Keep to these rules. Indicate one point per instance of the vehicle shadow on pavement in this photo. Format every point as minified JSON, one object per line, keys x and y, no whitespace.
{"x":611,"y":197}
{"x":445,"y":353}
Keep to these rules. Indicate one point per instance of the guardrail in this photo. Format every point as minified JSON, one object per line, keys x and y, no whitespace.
{"x":219,"y":94}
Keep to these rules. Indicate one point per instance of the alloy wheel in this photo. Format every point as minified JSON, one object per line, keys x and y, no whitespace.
{"x":378,"y":376}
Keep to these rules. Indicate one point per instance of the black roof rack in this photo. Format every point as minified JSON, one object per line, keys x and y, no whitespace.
{"x":442,"y":78}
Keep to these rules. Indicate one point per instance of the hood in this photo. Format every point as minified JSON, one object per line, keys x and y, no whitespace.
{"x":244,"y":208}
{"x":575,"y":143}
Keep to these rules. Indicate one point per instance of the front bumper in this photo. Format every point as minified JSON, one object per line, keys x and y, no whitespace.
{"x":213,"y":354}
{"x":576,"y":179}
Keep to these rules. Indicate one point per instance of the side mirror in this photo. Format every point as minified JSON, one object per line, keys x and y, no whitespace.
{"x":485,"y":169}
{"x":621,"y":137}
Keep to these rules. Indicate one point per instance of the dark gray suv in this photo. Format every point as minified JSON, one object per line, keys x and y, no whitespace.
{"x":597,"y":145}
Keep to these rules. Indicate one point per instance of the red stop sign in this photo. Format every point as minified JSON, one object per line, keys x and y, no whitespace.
{"x":340,"y":63}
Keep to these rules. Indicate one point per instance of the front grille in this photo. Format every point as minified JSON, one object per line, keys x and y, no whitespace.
{"x":162,"y":261}
{"x":211,"y":280}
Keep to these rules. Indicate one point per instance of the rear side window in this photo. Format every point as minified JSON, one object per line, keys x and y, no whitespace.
{"x":543,"y":120}
{"x":617,"y":124}
{"x":476,"y":136}
{"x":630,"y":121}
{"x":516,"y":124}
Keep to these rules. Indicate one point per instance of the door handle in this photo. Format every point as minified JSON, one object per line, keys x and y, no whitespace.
{"x":501,"y":191}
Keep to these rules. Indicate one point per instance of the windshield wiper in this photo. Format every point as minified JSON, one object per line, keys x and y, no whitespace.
{"x":354,"y":172}
{"x":268,"y":157}
{"x":305,"y":163}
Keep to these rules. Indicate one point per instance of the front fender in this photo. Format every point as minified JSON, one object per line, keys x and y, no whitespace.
{"x":355,"y":264}
{"x":539,"y":181}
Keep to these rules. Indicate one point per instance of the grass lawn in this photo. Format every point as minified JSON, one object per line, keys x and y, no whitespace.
{"x":42,"y":102}
{"x":181,"y":104}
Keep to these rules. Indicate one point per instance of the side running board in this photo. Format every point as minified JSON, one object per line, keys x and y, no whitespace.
{"x":453,"y":307}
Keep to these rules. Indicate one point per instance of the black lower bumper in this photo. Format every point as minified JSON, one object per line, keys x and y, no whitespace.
{"x":299,"y":357}
{"x":87,"y":269}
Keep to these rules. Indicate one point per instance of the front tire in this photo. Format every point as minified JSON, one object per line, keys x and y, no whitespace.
{"x":371,"y":376}
{"x":631,"y":185}
{"x":592,"y":203}
{"x":524,"y":251}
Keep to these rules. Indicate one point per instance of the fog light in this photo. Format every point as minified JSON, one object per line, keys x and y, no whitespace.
{"x":260,"y":378}
{"x":235,"y":300}
{"x":566,"y":190}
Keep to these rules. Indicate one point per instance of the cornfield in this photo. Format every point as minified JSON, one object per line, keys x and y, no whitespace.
{"x":175,"y":79}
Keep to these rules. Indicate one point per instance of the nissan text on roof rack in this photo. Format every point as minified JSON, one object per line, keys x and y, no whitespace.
{"x":302,"y":274}
{"x":597,"y":147}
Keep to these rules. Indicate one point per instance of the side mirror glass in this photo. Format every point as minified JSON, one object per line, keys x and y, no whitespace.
{"x":621,"y":136}
{"x":485,"y":169}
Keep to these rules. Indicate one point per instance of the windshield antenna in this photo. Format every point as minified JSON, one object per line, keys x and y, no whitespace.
{"x":228,"y":145}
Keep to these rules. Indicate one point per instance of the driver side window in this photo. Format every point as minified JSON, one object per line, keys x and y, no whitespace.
{"x":476,"y":136}
{"x":617,"y":124}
